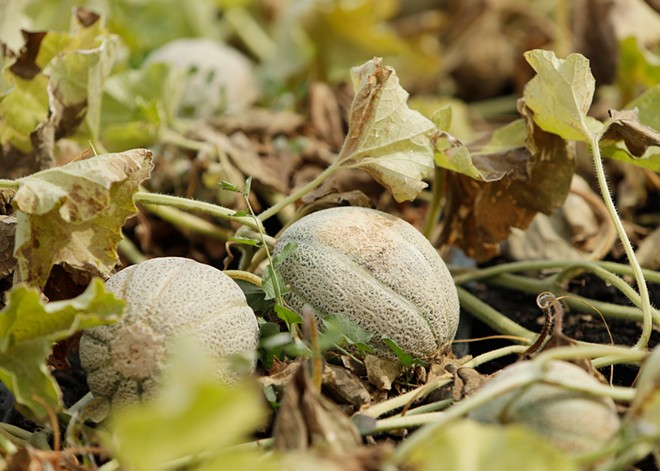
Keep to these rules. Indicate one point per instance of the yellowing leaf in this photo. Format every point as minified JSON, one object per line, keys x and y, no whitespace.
{"x":470,"y":446}
{"x":58,"y":83}
{"x":73,"y":214}
{"x":193,"y":413}
{"x":21,"y":110}
{"x":385,"y":137}
{"x":27,"y":330}
{"x":560,"y":94}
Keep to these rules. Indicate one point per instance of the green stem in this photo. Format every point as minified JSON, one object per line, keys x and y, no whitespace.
{"x":647,"y":315}
{"x":129,"y":250}
{"x":296,"y":195}
{"x":178,"y":202}
{"x":435,"y":421}
{"x":250,"y":32}
{"x":622,"y":354}
{"x":535,"y":266}
{"x":6,"y":184}
{"x":492,"y":317}
{"x":189,"y":222}
{"x":615,"y":311}
{"x":400,"y":401}
{"x":435,"y":208}
{"x":15,"y":432}
{"x":244,"y":276}
{"x":171,"y":136}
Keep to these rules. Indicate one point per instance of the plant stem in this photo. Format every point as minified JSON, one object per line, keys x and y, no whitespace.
{"x":171,"y":136}
{"x":296,"y":195}
{"x":128,"y":249}
{"x":623,"y":354}
{"x":15,"y":432}
{"x":539,"y":265}
{"x":435,"y":421}
{"x":6,"y":184}
{"x":400,"y":401}
{"x":491,"y":317}
{"x":647,"y":315}
{"x":189,"y":222}
{"x":144,"y":197}
{"x":250,"y":32}
{"x":244,"y":276}
{"x":615,"y":311}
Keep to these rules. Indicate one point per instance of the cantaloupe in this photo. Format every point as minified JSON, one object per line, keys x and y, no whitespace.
{"x":376,"y":270}
{"x":573,"y":421}
{"x":166,"y":298}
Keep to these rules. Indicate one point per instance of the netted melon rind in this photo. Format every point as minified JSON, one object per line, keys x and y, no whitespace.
{"x":166,"y":298}
{"x":573,"y":421}
{"x":375,"y":269}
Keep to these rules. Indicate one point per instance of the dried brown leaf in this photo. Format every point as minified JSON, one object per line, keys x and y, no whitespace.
{"x":307,"y":419}
{"x":346,"y":385}
{"x":626,"y":126}
{"x":7,"y":236}
{"x":536,"y":179}
{"x":382,"y":372}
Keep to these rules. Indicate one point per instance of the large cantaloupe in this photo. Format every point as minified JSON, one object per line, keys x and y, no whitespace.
{"x":375,"y":269}
{"x":573,"y":421}
{"x":166,"y":298}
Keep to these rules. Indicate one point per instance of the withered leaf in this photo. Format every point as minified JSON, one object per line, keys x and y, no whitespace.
{"x":7,"y":236}
{"x":25,"y":65}
{"x":307,"y":419}
{"x":346,"y":385}
{"x":73,"y":214}
{"x":382,"y":372}
{"x":626,"y":126}
{"x":536,"y":178}
{"x":466,"y":381}
{"x":385,"y":138}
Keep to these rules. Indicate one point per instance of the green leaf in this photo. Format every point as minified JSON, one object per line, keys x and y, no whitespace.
{"x":27,"y":330}
{"x":283,"y":253}
{"x":241,"y":213}
{"x":272,"y":283}
{"x":405,"y":358}
{"x":470,"y":446}
{"x":137,"y":103}
{"x":638,"y":68}
{"x":442,"y":118}
{"x":347,"y":328}
{"x":287,"y":315}
{"x":247,"y":187}
{"x":255,"y":296}
{"x":560,"y":94}
{"x":191,"y":414}
{"x":245,"y":241}
{"x":73,"y":214}
{"x":386,"y":138}
{"x":228,"y":186}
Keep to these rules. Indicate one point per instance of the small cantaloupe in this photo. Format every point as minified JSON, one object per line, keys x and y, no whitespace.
{"x":165,"y":298}
{"x":375,"y":269}
{"x":573,"y":421}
